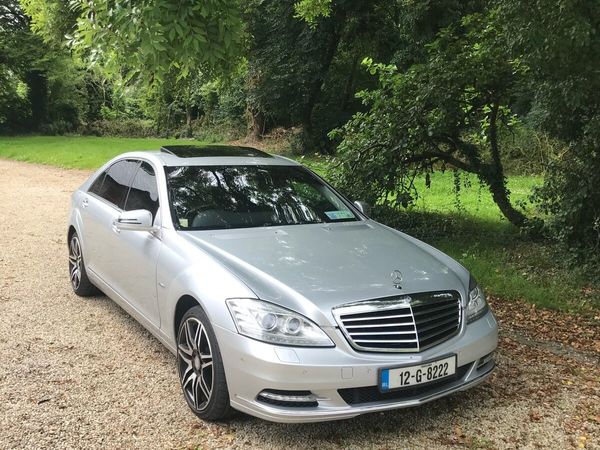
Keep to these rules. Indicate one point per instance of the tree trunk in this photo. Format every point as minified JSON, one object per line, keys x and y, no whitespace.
{"x":258,"y":123}
{"x":349,"y":91}
{"x":495,"y":175}
{"x":317,"y":86}
{"x":492,"y":173}
{"x":188,"y":121}
{"x":37,"y":84}
{"x":501,"y":197}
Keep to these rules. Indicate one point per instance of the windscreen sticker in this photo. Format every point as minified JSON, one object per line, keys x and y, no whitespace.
{"x":337,"y":215}
{"x":183,"y":223}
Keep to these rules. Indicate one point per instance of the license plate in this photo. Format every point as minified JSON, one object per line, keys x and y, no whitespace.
{"x":400,"y":377}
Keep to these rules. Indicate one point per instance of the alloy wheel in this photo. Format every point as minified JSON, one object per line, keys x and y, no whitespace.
{"x":75,"y":262}
{"x":195,"y":363}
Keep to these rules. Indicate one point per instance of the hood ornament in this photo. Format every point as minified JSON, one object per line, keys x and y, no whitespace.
{"x":396,"y":276}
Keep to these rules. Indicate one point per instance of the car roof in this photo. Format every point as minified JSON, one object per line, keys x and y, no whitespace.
{"x":204,"y":151}
{"x":211,"y":155}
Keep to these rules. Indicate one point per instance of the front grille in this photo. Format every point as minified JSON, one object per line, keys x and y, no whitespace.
{"x":411,"y":323}
{"x":371,"y":394}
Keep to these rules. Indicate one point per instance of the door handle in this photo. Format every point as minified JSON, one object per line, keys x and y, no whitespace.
{"x":115,"y":227}
{"x":85,"y":203}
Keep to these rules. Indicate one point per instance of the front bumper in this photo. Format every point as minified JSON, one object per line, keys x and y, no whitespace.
{"x":335,"y":374}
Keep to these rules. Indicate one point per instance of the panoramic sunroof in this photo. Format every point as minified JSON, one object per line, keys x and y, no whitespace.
{"x":195,"y":151}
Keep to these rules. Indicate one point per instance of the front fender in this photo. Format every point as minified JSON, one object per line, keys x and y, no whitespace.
{"x":203,"y":279}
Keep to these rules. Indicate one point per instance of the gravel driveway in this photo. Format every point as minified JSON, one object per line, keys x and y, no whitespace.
{"x":80,"y":373}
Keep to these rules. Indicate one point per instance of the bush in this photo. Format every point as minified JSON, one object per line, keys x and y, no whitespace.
{"x":58,"y":127}
{"x":119,"y":128}
{"x":571,"y":196}
{"x":206,"y":130}
{"x":526,"y":151}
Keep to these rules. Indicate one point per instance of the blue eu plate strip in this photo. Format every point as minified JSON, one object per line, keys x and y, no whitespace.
{"x":385,"y":379}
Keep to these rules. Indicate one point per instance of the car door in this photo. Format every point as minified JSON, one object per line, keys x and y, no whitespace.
{"x":135,"y":253}
{"x":103,"y":202}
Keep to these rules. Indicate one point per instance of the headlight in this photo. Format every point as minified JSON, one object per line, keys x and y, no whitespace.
{"x":477,"y":305}
{"x":270,"y":323}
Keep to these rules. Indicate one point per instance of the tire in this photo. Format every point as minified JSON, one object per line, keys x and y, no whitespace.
{"x":200,"y":367}
{"x":80,"y":282}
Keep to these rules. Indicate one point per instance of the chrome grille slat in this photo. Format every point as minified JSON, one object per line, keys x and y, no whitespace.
{"x":436,"y":317}
{"x":426,"y":337}
{"x":378,"y":317}
{"x":427,"y":311}
{"x":437,"y":325}
{"x":370,"y":333}
{"x":377,"y":325}
{"x":425,"y":319}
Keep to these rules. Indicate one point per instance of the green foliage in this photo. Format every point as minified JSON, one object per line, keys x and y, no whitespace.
{"x":122,"y":127}
{"x":486,"y":87}
{"x":14,"y":106}
{"x":560,"y":43}
{"x":52,"y":19}
{"x":447,"y":110}
{"x":570,"y":195}
{"x":43,"y":88}
{"x":526,"y":150}
{"x":311,"y":10}
{"x":153,"y":39}
{"x":301,"y":75}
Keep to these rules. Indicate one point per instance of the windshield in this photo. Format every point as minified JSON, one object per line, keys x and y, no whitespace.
{"x":216,"y":197}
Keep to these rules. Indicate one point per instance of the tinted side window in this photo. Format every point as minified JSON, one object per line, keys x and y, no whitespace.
{"x":97,"y":184}
{"x":117,"y":181}
{"x":144,"y":191}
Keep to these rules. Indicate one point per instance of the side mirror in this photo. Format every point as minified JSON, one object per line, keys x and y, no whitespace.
{"x":363,"y":207}
{"x":136,"y":220}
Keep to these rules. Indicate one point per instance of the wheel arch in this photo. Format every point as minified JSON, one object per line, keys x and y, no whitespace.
{"x":184,"y":304}
{"x":71,"y":232}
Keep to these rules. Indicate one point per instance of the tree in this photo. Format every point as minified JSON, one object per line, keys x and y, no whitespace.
{"x":20,"y":53}
{"x":145,"y":44}
{"x":306,"y":74}
{"x":151,"y":39}
{"x":43,"y":88}
{"x":560,"y":44}
{"x":447,"y":110}
{"x":52,"y":19}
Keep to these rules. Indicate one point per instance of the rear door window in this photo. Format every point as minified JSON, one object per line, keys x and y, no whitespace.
{"x":97,"y":184}
{"x":116,"y":182}
{"x":144,"y":190}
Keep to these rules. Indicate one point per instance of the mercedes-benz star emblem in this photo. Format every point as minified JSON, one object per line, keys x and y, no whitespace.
{"x":396,"y":278}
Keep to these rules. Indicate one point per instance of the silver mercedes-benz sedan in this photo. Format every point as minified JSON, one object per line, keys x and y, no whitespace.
{"x":279,"y":297}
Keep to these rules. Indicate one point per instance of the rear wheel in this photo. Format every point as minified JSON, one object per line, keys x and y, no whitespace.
{"x":200,"y":367}
{"x":80,"y":282}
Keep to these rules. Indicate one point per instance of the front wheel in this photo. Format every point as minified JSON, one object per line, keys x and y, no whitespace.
{"x":80,"y":282}
{"x":200,"y":367}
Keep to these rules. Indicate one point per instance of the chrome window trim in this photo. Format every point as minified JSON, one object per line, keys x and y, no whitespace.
{"x":139,"y":160}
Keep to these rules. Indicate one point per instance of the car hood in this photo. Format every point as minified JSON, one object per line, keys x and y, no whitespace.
{"x":312,"y":268}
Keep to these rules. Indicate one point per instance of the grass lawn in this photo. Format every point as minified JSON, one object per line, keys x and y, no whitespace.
{"x":470,"y":228}
{"x":78,"y":152}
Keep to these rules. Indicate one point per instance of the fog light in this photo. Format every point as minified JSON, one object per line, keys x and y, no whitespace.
{"x":294,"y":399}
{"x":486,"y":359}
